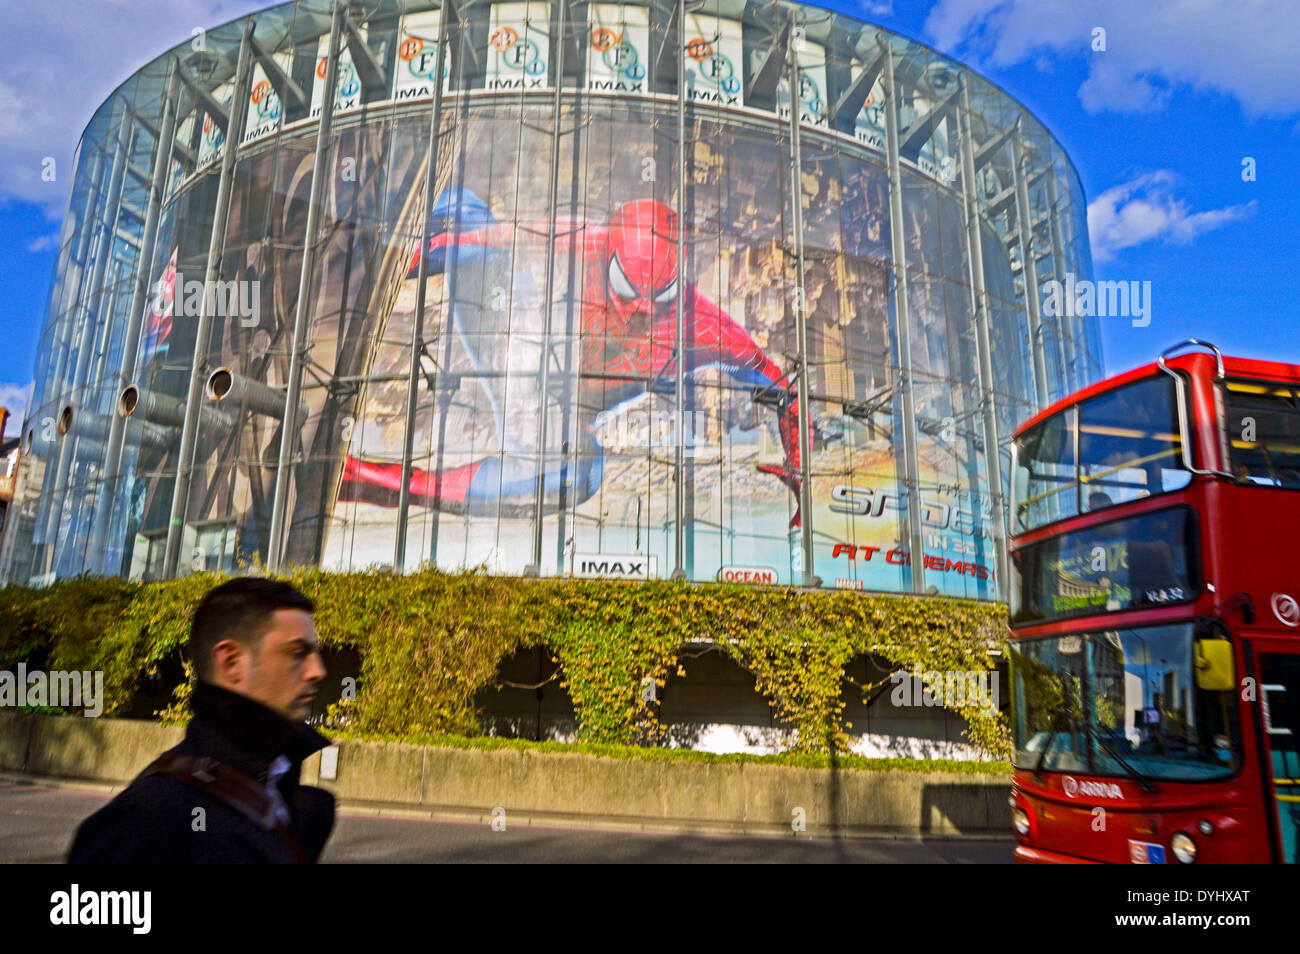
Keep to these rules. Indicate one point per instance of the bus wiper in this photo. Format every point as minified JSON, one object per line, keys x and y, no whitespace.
{"x":1142,"y":780}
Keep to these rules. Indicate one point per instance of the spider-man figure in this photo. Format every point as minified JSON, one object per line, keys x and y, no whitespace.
{"x":629,"y":301}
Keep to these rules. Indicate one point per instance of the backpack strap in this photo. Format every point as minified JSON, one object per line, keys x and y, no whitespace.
{"x":229,"y":786}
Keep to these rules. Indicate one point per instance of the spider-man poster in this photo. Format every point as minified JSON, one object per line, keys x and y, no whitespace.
{"x":579,"y":404}
{"x":606,"y":464}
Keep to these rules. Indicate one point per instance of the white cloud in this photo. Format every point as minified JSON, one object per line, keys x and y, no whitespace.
{"x":43,"y":243}
{"x":1243,"y":48}
{"x":1146,"y":210}
{"x":59,"y":59}
{"x":14,"y":397}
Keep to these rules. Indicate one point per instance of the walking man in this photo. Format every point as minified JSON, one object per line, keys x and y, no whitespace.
{"x":229,"y":792}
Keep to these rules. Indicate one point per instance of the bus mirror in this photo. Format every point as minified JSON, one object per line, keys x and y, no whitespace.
{"x":1214,"y":665}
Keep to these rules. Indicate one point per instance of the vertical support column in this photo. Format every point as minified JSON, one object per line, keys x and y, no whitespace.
{"x":53,"y":380}
{"x":216,"y":242}
{"x":417,"y":331}
{"x":570,"y":452}
{"x":911,"y":460}
{"x":1085,"y":347}
{"x":135,"y":315}
{"x":95,"y":292}
{"x":983,"y":342}
{"x":800,"y":313}
{"x":90,"y":314}
{"x":535,"y":568}
{"x":9,"y":535}
{"x":447,"y":387}
{"x":679,"y":343}
{"x":1064,"y":334}
{"x":62,"y":354}
{"x":302,"y":311}
{"x":1029,"y":274}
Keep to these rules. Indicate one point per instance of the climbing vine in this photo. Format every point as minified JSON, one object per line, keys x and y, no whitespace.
{"x":429,"y":642}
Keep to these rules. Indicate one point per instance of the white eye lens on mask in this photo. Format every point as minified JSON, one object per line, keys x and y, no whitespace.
{"x":618,"y":281}
{"x":668,"y":294}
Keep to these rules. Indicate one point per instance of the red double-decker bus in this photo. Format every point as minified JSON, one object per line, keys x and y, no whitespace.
{"x":1155,"y":616}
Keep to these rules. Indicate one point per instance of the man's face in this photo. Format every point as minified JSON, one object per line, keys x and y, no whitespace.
{"x":285,"y":669}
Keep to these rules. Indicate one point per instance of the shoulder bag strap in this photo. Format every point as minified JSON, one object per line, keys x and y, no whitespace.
{"x":229,"y":786}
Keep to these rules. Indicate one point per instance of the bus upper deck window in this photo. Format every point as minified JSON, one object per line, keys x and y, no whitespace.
{"x":1263,"y":422}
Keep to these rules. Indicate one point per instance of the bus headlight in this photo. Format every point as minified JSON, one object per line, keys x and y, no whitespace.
{"x":1021,"y":819}
{"x":1184,"y":847}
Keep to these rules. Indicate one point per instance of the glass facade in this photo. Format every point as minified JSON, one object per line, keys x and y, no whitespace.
{"x":599,"y":301}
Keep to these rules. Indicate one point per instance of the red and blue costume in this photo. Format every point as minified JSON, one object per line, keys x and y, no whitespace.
{"x":628,"y":336}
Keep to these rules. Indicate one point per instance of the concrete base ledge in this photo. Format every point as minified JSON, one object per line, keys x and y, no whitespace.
{"x":527,"y":787}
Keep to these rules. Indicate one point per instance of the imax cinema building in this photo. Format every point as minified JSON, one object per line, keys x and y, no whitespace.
{"x":702,"y":289}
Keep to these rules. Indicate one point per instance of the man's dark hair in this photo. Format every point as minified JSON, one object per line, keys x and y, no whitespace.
{"x":239,"y":609}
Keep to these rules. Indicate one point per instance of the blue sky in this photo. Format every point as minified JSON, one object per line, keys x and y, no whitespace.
{"x":1158,"y":125}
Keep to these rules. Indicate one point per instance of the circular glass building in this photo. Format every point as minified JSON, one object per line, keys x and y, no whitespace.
{"x":715,"y":290}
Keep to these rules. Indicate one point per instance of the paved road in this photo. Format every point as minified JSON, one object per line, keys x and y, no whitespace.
{"x":37,"y":823}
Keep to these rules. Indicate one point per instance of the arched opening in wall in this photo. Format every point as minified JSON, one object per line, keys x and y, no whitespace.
{"x":156,"y":691}
{"x":525,"y":700}
{"x":896,"y":711}
{"x":342,"y":682}
{"x":712,"y":704}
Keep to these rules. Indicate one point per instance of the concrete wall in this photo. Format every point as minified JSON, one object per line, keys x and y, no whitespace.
{"x":526,"y":786}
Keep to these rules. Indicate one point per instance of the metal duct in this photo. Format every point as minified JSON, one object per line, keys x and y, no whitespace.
{"x":235,"y":391}
{"x":165,"y":409}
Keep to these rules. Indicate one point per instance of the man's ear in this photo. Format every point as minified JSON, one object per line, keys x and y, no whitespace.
{"x":230,"y":661}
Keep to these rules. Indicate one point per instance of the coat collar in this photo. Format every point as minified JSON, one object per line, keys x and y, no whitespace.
{"x":244,"y":733}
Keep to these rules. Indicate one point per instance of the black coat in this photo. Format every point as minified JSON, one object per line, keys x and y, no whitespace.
{"x":154,"y":820}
